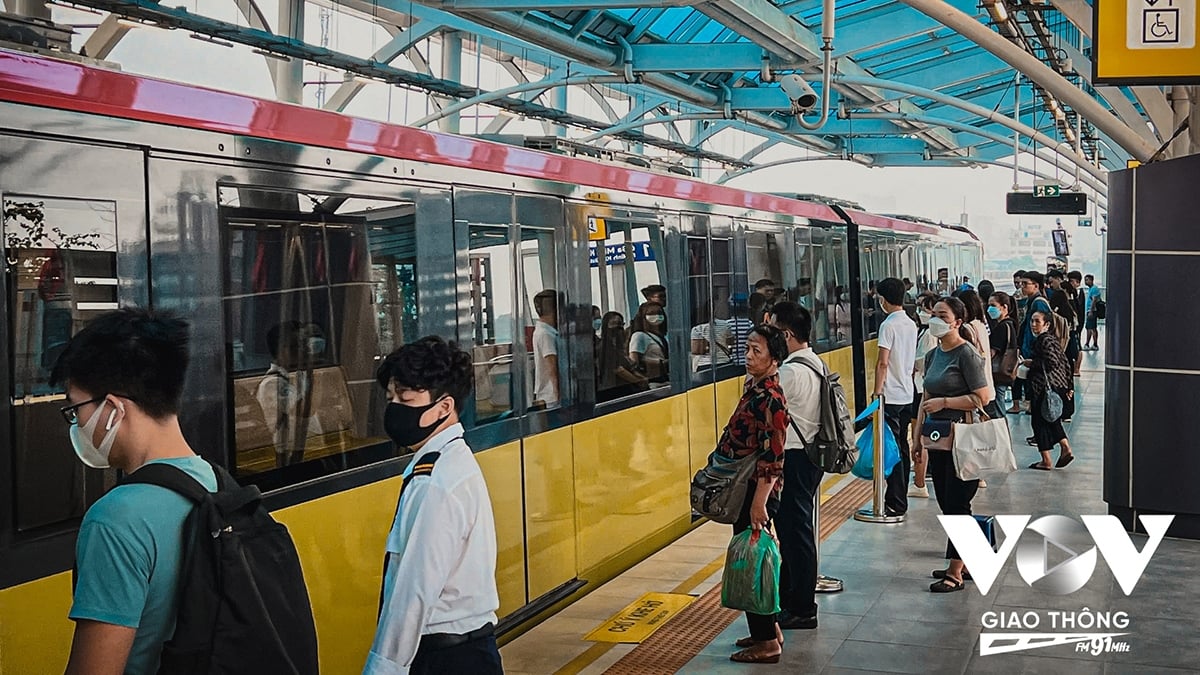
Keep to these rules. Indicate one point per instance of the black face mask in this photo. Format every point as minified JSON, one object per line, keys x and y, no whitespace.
{"x":403,"y":423}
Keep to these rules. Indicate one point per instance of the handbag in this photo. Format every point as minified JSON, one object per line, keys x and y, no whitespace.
{"x":1004,"y":369}
{"x":1052,"y":404}
{"x":937,"y":434}
{"x":719,"y":489}
{"x":982,"y":445}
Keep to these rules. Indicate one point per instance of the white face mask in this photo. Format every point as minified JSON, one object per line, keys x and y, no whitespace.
{"x":924,"y":316}
{"x":316,"y":345}
{"x":654,"y":319}
{"x":938,"y":327}
{"x":81,"y":438}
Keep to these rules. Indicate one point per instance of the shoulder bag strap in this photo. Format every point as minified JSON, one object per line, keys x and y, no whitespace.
{"x":170,"y":477}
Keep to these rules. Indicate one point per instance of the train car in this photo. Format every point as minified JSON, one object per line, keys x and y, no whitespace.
{"x":304,"y":245}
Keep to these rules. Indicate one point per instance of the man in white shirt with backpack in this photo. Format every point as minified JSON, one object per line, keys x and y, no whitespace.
{"x":794,"y":522}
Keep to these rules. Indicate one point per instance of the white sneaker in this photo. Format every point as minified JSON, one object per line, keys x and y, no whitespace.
{"x":922,"y":492}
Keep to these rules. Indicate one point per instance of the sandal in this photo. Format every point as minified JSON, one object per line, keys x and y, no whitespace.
{"x":746,"y":642}
{"x":1064,"y":460}
{"x":748,"y":656}
{"x":1040,"y":467}
{"x":941,"y":574}
{"x":946,"y":585}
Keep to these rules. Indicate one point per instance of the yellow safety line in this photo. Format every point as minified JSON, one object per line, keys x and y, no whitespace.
{"x":598,"y":649}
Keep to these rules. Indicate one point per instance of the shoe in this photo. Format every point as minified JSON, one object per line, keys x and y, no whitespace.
{"x":891,"y":513}
{"x":1039,"y":466}
{"x":946,"y":585}
{"x":789,"y":621}
{"x":941,"y":574}
{"x":748,"y":656}
{"x":1064,"y":460}
{"x":918,"y":492}
{"x":1015,"y":410}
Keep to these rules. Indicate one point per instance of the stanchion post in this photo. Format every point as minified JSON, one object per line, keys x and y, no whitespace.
{"x":824,"y":584}
{"x":878,"y":511}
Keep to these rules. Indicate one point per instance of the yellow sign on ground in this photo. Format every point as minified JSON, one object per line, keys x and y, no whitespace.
{"x":1146,"y":42}
{"x":636,"y":622}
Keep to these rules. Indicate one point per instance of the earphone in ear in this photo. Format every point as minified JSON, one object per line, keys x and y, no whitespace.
{"x":111,"y":417}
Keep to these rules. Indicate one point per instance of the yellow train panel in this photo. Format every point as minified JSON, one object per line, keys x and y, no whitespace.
{"x":501,"y":468}
{"x":631,"y":469}
{"x":702,"y":424}
{"x":729,"y":392}
{"x":550,"y":510}
{"x":35,"y":633}
{"x":341,"y":540}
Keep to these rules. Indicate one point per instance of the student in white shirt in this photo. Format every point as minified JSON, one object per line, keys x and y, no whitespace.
{"x":894,"y":383}
{"x":439,"y":600}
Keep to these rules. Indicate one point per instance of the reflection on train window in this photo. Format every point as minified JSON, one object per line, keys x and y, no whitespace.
{"x":635,"y":310}
{"x":317,"y":289}
{"x":708,"y":337}
{"x":821,"y":289}
{"x":844,"y":300}
{"x":61,"y":259}
{"x":544,"y":345}
{"x":493,"y":320}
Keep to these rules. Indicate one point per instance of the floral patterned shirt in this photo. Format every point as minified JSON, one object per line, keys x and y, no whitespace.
{"x":759,"y":425}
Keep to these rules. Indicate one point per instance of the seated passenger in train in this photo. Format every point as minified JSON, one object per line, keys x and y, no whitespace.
{"x":616,"y":375}
{"x":545,"y":350}
{"x":648,"y":344}
{"x":710,"y":341}
{"x":286,"y":391}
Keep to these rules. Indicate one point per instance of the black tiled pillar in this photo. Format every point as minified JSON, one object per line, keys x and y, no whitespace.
{"x":1152,"y":380}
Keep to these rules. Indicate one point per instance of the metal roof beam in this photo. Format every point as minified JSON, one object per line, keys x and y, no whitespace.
{"x":763,"y":22}
{"x":400,"y":43}
{"x":935,"y":75}
{"x":883,"y":146}
{"x":695,"y":57}
{"x":548,"y":5}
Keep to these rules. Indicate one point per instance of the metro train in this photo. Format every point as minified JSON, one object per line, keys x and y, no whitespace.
{"x":304,"y":244}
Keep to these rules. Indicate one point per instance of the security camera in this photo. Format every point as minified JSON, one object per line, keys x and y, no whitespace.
{"x":802,"y":95}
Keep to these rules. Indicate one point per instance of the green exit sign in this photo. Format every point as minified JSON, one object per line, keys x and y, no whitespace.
{"x":1046,"y":191}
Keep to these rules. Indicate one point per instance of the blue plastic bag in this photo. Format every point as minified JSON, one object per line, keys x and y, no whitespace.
{"x":865,"y":466}
{"x":751,"y":578}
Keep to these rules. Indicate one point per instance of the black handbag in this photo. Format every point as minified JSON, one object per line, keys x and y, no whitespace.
{"x":937,"y":434}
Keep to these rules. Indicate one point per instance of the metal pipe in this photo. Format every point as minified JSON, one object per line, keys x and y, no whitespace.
{"x":515,"y":89}
{"x":980,"y":111}
{"x":1181,"y":104}
{"x":451,"y":70}
{"x":1034,"y":69}
{"x":1016,"y":134}
{"x":827,"y":21}
{"x":779,"y":162}
{"x":647,"y":121}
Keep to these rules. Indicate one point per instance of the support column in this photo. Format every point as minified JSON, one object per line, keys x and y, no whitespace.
{"x":289,"y":75}
{"x":1152,"y":366}
{"x":1194,"y":125}
{"x":451,"y":70}
{"x":560,"y":102}
{"x":1181,"y":108}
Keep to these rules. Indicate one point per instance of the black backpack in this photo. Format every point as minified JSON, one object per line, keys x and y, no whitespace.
{"x":243,"y":605}
{"x":833,"y":447}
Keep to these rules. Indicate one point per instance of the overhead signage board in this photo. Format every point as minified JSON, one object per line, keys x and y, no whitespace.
{"x":1065,"y":203}
{"x":1146,"y":42}
{"x":614,"y":254}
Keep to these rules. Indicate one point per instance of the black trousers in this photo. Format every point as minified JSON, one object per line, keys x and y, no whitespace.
{"x":797,"y":536}
{"x":1018,"y":389}
{"x":477,"y":657}
{"x":762,"y":626}
{"x":953,"y":495}
{"x":898,"y":417}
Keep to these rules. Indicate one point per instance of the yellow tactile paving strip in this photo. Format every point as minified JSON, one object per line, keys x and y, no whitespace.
{"x":677,"y":642}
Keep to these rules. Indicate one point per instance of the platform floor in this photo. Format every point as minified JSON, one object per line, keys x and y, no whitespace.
{"x":886,"y":620}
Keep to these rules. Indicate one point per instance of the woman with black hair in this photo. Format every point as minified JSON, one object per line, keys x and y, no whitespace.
{"x":759,"y":426}
{"x":648,"y":342}
{"x":1049,"y":370}
{"x":617,"y":375}
{"x":955,"y":383}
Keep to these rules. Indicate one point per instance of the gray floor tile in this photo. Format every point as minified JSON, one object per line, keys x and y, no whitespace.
{"x":876,"y":628}
{"x":891,"y":658}
{"x":1134,"y":669}
{"x":1022,"y":664}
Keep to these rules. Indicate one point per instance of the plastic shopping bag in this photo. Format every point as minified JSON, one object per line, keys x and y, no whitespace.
{"x":751,"y":579}
{"x":865,"y":466}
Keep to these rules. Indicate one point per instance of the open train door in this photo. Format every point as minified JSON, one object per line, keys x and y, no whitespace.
{"x":74,"y":241}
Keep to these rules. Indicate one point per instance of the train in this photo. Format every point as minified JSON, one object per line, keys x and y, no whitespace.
{"x":306,"y":244}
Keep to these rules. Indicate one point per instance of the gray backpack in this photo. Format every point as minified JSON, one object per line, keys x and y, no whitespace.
{"x":833,"y":447}
{"x":719,"y":489}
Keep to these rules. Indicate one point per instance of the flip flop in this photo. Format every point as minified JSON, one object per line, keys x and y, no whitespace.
{"x":1039,"y":467}
{"x":941,"y":574}
{"x":946,"y":585}
{"x":1064,"y":460}
{"x":747,"y":642}
{"x":745,"y":656}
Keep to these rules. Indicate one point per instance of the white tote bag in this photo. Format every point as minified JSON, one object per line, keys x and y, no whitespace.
{"x":982,"y":447}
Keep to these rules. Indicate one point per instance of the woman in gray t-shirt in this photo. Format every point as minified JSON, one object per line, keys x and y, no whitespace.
{"x":955,"y":382}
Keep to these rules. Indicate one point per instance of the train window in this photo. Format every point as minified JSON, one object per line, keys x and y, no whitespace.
{"x":493,"y":320}
{"x":802,"y":293}
{"x":545,"y":298}
{"x":61,"y":258}
{"x":317,"y":289}
{"x":822,"y":288}
{"x":709,"y":337}
{"x":843,"y":299}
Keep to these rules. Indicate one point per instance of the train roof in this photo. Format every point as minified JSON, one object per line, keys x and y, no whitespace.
{"x":53,"y":83}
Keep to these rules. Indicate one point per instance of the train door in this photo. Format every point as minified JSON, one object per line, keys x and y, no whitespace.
{"x":74,"y":244}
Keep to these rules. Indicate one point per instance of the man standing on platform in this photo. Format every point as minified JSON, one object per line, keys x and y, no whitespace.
{"x":801,"y":478}
{"x":894,"y":383}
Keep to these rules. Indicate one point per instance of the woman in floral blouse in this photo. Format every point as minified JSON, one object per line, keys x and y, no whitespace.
{"x":759,"y":426}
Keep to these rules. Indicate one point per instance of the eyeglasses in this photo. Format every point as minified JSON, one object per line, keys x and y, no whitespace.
{"x":71,"y":413}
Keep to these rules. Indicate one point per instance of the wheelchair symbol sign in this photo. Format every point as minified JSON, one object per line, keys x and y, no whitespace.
{"x":1161,"y":24}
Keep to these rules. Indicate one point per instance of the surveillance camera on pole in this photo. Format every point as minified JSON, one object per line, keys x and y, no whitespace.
{"x":803,"y":98}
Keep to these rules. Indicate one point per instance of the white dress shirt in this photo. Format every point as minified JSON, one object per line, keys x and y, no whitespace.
{"x":441,"y":557}
{"x":802,"y":390}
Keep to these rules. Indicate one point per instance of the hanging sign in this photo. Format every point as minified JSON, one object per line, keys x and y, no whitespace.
{"x":1146,"y":42}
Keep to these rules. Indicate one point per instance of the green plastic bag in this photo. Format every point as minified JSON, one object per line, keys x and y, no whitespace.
{"x":751,"y":579}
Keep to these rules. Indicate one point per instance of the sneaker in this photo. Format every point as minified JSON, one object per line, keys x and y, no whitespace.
{"x":921,"y":492}
{"x":1066,"y":420}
